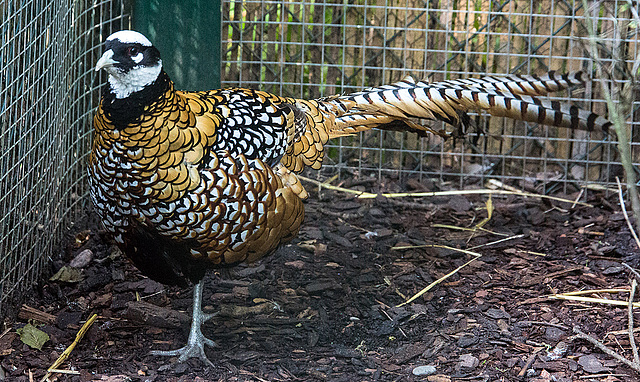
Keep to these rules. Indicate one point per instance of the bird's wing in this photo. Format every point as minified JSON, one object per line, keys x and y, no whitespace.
{"x":246,"y":122}
{"x":260,"y":125}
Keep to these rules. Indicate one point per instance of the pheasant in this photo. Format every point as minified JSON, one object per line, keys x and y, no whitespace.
{"x":186,"y":181}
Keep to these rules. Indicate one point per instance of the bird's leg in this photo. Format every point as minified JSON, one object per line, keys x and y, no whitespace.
{"x":197,"y":340}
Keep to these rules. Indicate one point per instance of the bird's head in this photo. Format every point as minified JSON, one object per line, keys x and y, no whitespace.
{"x":131,"y":61}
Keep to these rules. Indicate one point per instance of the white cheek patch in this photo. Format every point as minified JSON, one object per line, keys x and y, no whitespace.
{"x":123,"y":84}
{"x":137,"y":58}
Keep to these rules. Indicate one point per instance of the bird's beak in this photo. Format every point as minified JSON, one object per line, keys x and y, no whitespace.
{"x":106,"y":60}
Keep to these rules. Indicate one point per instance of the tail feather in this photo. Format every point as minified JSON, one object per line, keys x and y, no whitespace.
{"x":508,"y":96}
{"x":521,"y":85}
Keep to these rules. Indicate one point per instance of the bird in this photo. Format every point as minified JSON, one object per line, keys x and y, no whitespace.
{"x":186,"y":181}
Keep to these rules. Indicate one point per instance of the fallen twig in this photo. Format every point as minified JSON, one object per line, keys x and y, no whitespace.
{"x":591,"y":291}
{"x":335,"y":188}
{"x":632,"y":270}
{"x":441,"y":279}
{"x":626,"y":216}
{"x":403,"y":247}
{"x":498,"y":241}
{"x":544,"y":323}
{"x":580,"y":334}
{"x":469,"y":192}
{"x":474,"y":229}
{"x":577,"y":198}
{"x":529,"y":362}
{"x":64,"y":371}
{"x":65,"y":354}
{"x":593,"y":300}
{"x":27,"y":313}
{"x":369,"y":195}
{"x":7,"y":330}
{"x":632,"y":340}
{"x":391,"y":319}
{"x":593,"y":376}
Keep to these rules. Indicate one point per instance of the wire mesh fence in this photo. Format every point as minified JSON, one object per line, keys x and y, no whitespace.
{"x":47,"y":94}
{"x":313,"y":49}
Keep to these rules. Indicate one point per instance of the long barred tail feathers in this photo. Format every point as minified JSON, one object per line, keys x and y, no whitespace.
{"x":522,"y":84}
{"x":509,"y":96}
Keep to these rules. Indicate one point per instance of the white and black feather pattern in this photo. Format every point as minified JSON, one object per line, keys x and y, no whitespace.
{"x":519,"y":84}
{"x":252,"y":127}
{"x":511,"y":96}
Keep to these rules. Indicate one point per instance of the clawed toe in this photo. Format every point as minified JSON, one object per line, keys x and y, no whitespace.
{"x":193,"y":349}
{"x":197,"y":340}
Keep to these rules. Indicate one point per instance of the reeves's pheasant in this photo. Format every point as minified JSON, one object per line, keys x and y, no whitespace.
{"x":185,"y":181}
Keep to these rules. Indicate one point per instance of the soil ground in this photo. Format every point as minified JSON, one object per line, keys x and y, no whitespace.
{"x":325,"y":307}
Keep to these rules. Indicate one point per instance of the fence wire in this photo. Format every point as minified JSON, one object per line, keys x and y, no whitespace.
{"x":319,"y":48}
{"x":47,"y":94}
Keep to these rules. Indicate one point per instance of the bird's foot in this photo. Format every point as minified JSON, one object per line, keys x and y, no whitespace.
{"x":197,"y":340}
{"x":193,"y":349}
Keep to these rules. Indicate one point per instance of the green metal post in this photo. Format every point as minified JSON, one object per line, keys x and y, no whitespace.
{"x":187,"y":33}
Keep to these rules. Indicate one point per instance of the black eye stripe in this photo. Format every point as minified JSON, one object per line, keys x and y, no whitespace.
{"x":145,"y":56}
{"x":117,"y":45}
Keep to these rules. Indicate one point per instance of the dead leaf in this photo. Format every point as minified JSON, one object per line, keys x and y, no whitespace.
{"x":68,"y":275}
{"x":32,"y":336}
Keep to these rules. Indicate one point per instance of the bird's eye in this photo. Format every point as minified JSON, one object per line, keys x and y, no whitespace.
{"x":132,"y":51}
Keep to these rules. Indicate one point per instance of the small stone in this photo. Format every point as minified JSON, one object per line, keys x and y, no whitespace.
{"x":591,"y":364}
{"x":82,"y":259}
{"x":473,"y":168}
{"x":468,"y":362}
{"x":180,"y":368}
{"x":503,"y":326}
{"x":166,"y":367}
{"x":423,"y":370}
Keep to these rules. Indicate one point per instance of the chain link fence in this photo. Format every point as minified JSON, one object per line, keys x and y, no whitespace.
{"x":47,"y":93}
{"x":313,"y":49}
